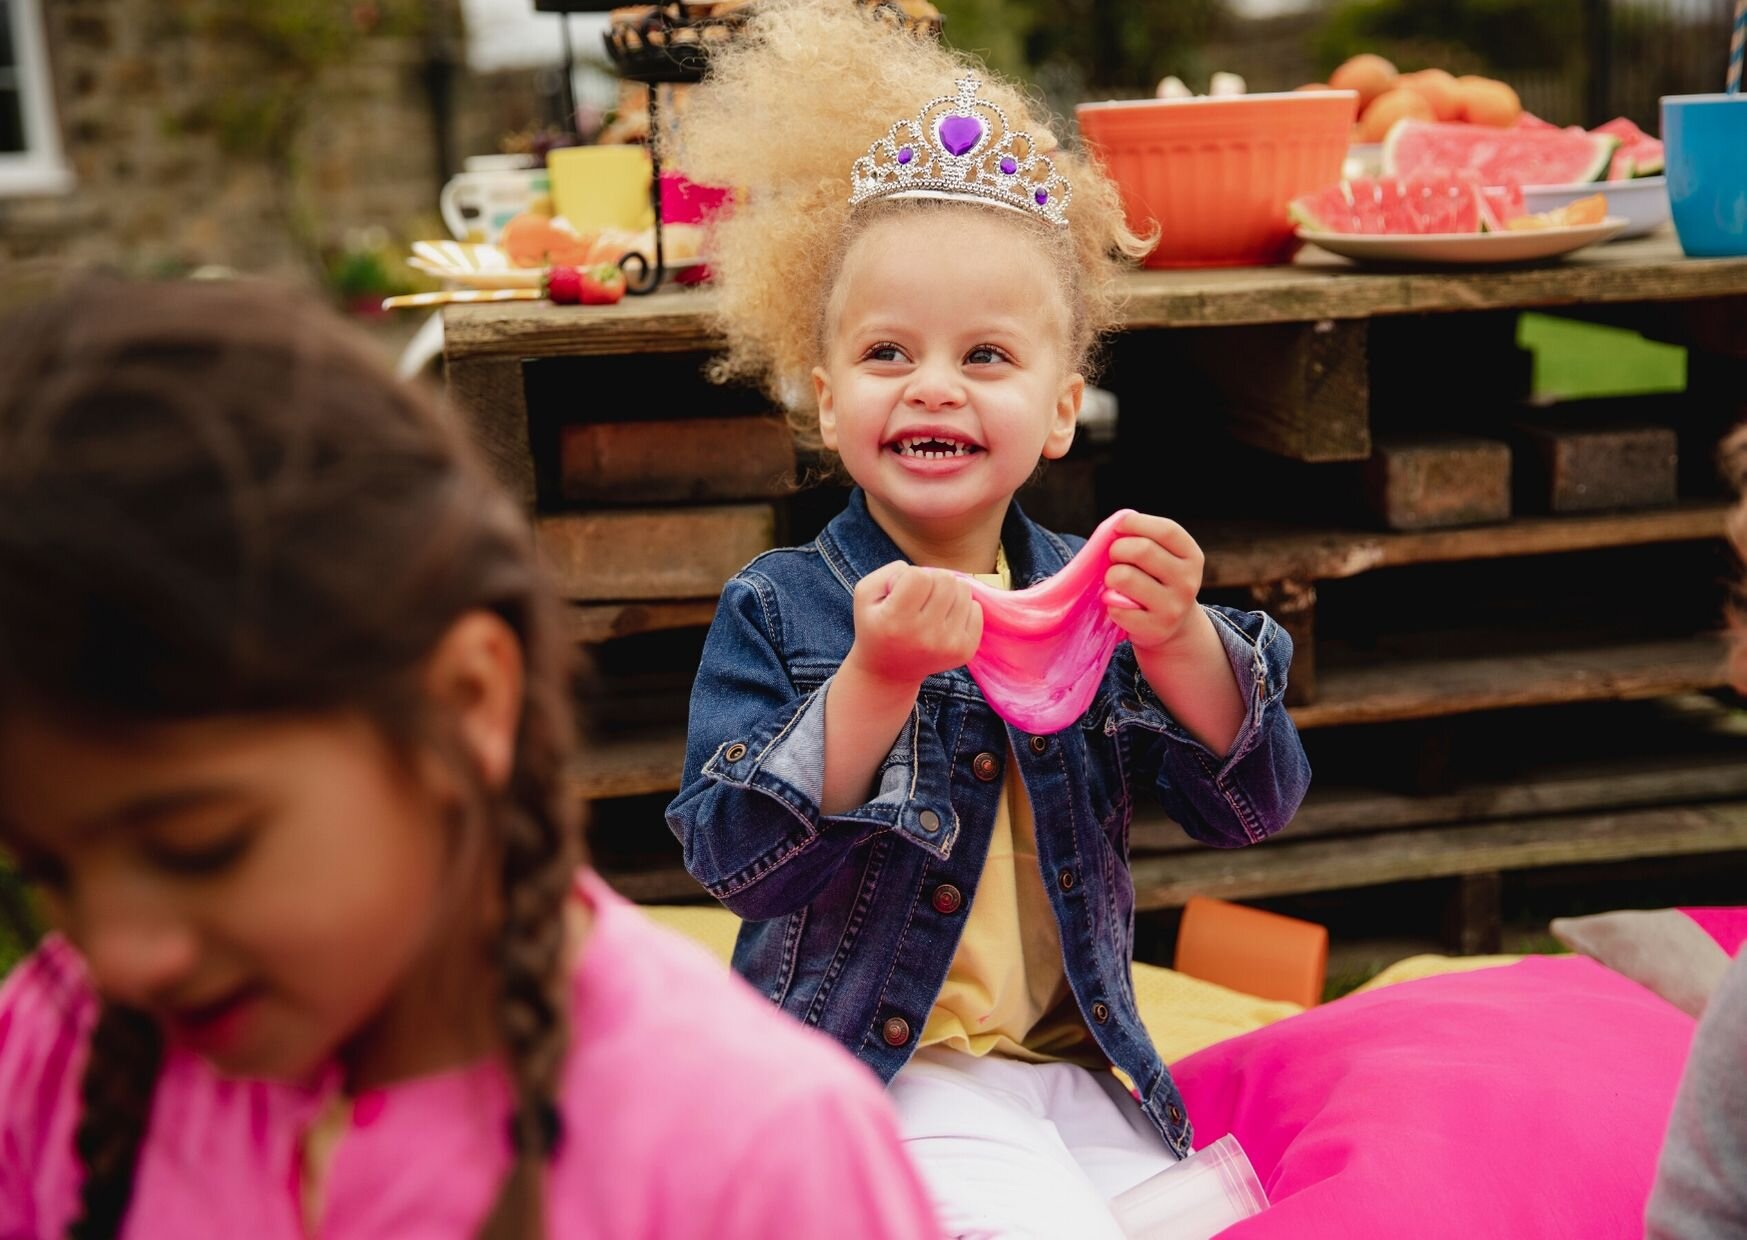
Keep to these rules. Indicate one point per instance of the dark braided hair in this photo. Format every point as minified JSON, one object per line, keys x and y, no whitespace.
{"x":217,"y":502}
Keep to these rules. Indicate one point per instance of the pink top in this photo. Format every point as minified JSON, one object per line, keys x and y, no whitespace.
{"x":691,"y":1108}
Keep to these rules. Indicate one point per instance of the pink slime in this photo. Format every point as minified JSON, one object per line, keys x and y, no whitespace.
{"x":1044,"y":649}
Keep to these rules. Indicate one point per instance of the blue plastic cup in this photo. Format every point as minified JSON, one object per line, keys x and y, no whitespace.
{"x":1706,"y":140}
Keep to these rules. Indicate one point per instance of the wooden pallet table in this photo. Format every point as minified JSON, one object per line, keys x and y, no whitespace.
{"x":648,"y":497}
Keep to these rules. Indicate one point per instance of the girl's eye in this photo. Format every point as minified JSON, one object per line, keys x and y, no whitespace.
{"x":40,"y":870}
{"x":985,"y":355}
{"x":198,"y":860}
{"x":885,"y":351}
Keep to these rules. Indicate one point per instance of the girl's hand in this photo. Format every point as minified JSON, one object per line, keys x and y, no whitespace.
{"x":912,"y":622}
{"x":1158,"y":566}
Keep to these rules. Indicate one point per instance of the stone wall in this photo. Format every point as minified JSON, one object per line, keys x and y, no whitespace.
{"x":146,"y":102}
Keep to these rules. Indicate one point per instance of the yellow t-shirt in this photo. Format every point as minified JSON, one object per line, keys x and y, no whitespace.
{"x":1007,"y":990}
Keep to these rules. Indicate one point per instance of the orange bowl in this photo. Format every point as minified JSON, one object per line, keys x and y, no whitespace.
{"x":1216,"y":174}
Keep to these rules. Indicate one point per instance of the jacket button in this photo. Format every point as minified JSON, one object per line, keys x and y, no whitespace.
{"x":929,"y":819}
{"x":734,"y":752}
{"x":985,"y":766}
{"x":896,"y":1031}
{"x":1066,"y":880}
{"x":1100,"y":1011}
{"x":1039,"y":744}
{"x":1174,"y":1113}
{"x":947,"y":898}
{"x":1131,"y":705}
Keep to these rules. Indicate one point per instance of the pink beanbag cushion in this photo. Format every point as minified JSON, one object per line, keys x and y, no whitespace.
{"x":1728,"y":926}
{"x":1525,"y":1101}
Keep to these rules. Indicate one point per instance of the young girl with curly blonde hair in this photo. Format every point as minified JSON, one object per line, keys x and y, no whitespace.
{"x":920,"y":272}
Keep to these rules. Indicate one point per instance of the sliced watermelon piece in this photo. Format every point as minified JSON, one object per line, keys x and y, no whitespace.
{"x":1393,"y":206}
{"x":1497,"y":156}
{"x":1499,"y":205}
{"x":1639,"y":155}
{"x":1647,"y":158}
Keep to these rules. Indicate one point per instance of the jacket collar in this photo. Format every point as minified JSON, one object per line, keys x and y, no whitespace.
{"x":853,"y":544}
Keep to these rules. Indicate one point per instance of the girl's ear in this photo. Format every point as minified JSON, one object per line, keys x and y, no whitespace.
{"x":827,"y":408}
{"x":475,"y":675}
{"x":1066,"y":417}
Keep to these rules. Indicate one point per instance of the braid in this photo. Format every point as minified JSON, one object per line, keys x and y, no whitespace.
{"x":539,"y":860}
{"x":120,"y":1077}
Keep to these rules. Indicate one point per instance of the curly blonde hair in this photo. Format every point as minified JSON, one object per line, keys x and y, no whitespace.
{"x":1734,"y":461}
{"x":786,"y":109}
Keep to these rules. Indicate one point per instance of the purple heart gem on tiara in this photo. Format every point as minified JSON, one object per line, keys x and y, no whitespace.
{"x":959,"y":134}
{"x":905,"y":155}
{"x":1009,"y":165}
{"x":1042,"y":196}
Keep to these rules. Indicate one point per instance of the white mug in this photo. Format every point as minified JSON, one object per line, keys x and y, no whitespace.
{"x":477,"y":204}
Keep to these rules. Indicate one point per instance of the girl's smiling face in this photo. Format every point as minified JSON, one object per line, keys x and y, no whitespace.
{"x":946,"y":377}
{"x":261,"y":887}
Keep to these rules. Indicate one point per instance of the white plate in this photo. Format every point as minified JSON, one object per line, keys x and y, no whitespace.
{"x":1643,"y":201}
{"x":1491,"y":247}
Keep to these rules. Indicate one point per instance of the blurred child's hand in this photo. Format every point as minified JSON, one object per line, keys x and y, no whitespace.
{"x":1157,"y":565}
{"x":912,"y":622}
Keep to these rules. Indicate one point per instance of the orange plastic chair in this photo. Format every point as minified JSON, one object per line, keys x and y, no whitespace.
{"x":1253,"y":951}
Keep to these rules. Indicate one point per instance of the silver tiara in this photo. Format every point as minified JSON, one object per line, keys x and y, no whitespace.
{"x":959,"y":146}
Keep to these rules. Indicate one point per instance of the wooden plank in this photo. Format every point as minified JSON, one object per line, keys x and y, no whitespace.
{"x":1344,"y":810}
{"x":687,"y":460}
{"x":491,"y":397}
{"x":600,"y":622}
{"x":1279,"y":867}
{"x":665,"y":322}
{"x":629,"y":764}
{"x":1300,"y":391}
{"x":1316,"y":286}
{"x":660,"y":885}
{"x":681,"y":553}
{"x":1282,"y":868}
{"x":1247,"y":553}
{"x":1578,"y":464}
{"x":1474,"y":920}
{"x":1431,"y":480}
{"x":1385,"y":690}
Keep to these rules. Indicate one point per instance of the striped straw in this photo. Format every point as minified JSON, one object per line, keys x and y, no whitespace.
{"x":451,"y":296}
{"x":1737,"y":45}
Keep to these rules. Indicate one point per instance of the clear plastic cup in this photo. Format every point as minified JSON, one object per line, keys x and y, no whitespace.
{"x":1197,"y":1198}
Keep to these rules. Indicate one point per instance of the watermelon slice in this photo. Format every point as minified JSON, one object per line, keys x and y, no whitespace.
{"x":1639,"y":154}
{"x":1525,"y":156}
{"x":1392,"y":206}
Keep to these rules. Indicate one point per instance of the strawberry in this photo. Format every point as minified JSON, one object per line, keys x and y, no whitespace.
{"x":564,"y":284}
{"x":602,"y":285}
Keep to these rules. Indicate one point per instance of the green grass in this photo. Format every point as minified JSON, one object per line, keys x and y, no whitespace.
{"x":1583,"y":359}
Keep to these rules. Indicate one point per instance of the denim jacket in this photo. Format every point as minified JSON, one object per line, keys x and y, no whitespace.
{"x":852,"y":920}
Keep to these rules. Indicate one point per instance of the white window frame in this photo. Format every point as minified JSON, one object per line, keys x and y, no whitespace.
{"x":41,"y":167}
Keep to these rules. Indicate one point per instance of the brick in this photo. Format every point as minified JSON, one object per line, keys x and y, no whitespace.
{"x":694,"y":459}
{"x":1429,"y":480}
{"x":680,"y":553}
{"x":1590,"y":465}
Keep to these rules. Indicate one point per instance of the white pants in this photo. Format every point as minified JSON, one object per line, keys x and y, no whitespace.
{"x":1012,"y":1149}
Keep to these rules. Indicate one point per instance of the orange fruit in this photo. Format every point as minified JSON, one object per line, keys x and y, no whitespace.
{"x":1590,"y":210}
{"x":1489,"y":102}
{"x":1440,"y":90}
{"x":1313,"y":86}
{"x":1367,"y":73}
{"x":1576,"y":214}
{"x":1399,"y":104}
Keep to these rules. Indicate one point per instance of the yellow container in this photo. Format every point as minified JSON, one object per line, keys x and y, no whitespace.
{"x":596,"y":187}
